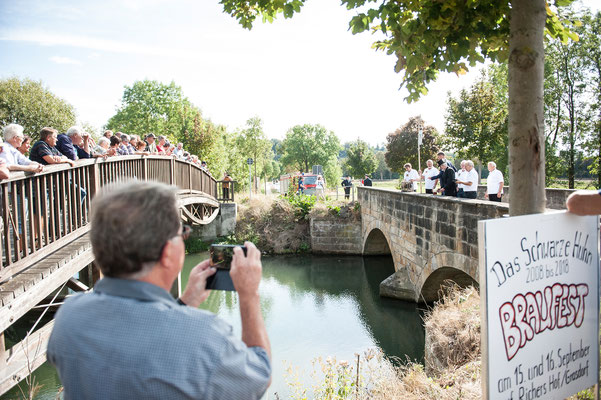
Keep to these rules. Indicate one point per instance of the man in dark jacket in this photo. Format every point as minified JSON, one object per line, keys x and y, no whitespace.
{"x":367,"y":181}
{"x":448,"y":187}
{"x":346,"y":184}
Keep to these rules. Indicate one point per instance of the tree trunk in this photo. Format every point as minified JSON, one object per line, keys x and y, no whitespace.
{"x":526,"y":122}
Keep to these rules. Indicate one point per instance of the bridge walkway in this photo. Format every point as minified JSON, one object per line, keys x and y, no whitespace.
{"x":43,"y":252}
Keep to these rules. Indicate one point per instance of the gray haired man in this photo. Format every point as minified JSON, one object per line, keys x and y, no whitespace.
{"x":130,"y":339}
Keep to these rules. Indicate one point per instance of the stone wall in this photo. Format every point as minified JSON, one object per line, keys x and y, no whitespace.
{"x":556,"y":198}
{"x":431,"y":238}
{"x":333,"y":235}
{"x":223,"y":225}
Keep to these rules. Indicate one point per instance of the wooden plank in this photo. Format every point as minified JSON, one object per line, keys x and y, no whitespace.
{"x":53,"y":222}
{"x":6,"y":296}
{"x":44,"y":205}
{"x":30,"y":186}
{"x":48,"y":250}
{"x":5,"y":211}
{"x":24,"y":357}
{"x":23,"y":303}
{"x":14,"y":214}
{"x":76,"y":285}
{"x":22,"y":220}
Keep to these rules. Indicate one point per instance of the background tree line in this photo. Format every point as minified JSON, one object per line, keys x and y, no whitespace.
{"x":476,"y":123}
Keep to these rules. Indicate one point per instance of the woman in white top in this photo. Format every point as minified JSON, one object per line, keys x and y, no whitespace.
{"x":319,"y":186}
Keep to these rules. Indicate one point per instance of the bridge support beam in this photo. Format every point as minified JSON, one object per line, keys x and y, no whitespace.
{"x":398,"y":286}
{"x":223,"y":225}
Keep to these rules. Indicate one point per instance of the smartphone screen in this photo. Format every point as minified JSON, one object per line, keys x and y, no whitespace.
{"x":221,"y":258}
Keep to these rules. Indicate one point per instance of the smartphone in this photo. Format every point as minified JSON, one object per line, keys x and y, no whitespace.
{"x":221,"y":258}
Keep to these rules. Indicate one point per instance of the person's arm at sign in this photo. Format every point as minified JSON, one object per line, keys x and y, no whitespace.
{"x":584,"y":202}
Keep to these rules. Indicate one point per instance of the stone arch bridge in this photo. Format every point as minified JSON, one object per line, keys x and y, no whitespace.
{"x":430,"y":238}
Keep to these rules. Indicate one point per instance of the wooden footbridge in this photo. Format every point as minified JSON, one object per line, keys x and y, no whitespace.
{"x":44,"y":238}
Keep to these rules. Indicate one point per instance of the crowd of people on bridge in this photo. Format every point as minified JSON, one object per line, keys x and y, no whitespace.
{"x":17,"y":153}
{"x":462,"y":182}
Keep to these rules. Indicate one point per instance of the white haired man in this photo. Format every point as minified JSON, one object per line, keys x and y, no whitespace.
{"x":179,"y":151}
{"x":494,"y":183}
{"x":130,"y":339}
{"x":469,"y":180}
{"x":15,"y":161}
{"x":411,"y":175}
{"x":75,"y":144}
{"x":428,"y":173}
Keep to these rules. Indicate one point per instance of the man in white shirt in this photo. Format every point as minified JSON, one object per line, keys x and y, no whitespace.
{"x":494,"y":183}
{"x":459,"y":176}
{"x":429,"y":172}
{"x":15,"y":161}
{"x":411,"y":175}
{"x":469,"y":180}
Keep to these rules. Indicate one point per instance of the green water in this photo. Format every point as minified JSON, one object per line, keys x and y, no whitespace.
{"x":313,"y":306}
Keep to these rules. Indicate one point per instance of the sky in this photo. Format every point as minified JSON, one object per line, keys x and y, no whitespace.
{"x":308,"y":69}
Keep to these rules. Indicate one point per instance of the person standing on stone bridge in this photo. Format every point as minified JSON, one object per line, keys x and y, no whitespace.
{"x":448,"y":187}
{"x":129,"y":338}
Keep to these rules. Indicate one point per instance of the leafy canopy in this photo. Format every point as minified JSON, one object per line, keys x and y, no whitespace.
{"x":152,"y":106}
{"x":426,"y":36}
{"x":360,"y":159}
{"x":476,"y":121}
{"x":308,"y":145}
{"x":31,"y":105}
{"x":401,"y":145}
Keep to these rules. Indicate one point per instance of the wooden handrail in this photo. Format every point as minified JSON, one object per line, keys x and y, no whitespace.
{"x":39,"y":209}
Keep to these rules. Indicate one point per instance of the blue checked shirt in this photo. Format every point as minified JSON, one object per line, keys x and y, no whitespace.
{"x":131,"y":340}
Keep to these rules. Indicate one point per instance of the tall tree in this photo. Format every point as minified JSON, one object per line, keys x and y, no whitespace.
{"x":429,"y":36}
{"x":567,"y":59}
{"x":254,"y":144}
{"x":590,"y":36}
{"x":360,"y":159}
{"x":476,"y":121}
{"x":152,"y":106}
{"x":402,"y":144}
{"x":31,"y":105}
{"x":308,"y":145}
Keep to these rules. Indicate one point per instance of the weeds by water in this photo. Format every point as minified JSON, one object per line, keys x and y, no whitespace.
{"x":280,"y":225}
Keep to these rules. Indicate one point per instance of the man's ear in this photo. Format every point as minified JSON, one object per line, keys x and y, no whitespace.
{"x":166,"y":260}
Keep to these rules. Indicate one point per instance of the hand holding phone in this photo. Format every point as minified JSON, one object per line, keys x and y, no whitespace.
{"x":221,"y":259}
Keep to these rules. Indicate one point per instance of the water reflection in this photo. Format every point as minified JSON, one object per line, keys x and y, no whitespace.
{"x":314,"y":306}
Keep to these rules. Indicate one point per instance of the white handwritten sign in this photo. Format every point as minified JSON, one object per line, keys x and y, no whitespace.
{"x":539,"y":277}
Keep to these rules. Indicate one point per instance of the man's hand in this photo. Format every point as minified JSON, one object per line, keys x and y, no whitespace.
{"x":35,"y":167}
{"x":196,"y":292}
{"x":246,"y":270}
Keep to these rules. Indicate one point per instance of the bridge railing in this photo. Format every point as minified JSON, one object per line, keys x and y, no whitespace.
{"x":40,"y":212}
{"x":225,"y":191}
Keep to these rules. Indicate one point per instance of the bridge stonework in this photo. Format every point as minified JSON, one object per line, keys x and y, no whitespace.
{"x":430,"y":238}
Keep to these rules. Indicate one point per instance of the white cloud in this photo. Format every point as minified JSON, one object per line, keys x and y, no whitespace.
{"x":92,"y":43}
{"x":64,"y":60}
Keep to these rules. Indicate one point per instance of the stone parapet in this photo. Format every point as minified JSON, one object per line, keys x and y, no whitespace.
{"x":556,"y":198}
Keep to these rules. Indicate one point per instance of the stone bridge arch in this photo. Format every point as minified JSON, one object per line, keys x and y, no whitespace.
{"x":376,"y":243}
{"x":431,"y":238}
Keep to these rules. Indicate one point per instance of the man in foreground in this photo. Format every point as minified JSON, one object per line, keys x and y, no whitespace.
{"x":129,"y":339}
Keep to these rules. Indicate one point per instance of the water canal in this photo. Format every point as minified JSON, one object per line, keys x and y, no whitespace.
{"x":313,"y":306}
